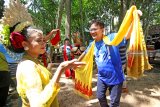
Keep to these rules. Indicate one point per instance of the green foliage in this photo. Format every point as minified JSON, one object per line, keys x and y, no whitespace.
{"x":1,"y":8}
{"x":43,"y":13}
{"x":5,"y":33}
{"x":94,"y":9}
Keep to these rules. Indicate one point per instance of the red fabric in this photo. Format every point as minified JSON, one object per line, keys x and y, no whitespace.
{"x":65,"y":53}
{"x":44,"y":59}
{"x":68,"y":72}
{"x":72,"y":54}
{"x":54,"y":41}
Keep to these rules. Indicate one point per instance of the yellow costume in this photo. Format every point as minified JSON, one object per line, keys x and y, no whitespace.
{"x":33,"y":80}
{"x":34,"y":85}
{"x":137,"y":54}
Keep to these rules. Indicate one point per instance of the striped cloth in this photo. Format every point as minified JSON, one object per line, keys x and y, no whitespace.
{"x":12,"y":69}
{"x":122,"y":51}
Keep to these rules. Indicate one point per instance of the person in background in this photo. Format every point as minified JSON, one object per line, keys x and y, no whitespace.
{"x":66,"y":49}
{"x":77,"y":39}
{"x":122,"y":51}
{"x":157,"y":44}
{"x":68,"y":55}
{"x":35,"y":84}
{"x":157,"y":50}
{"x":78,"y":48}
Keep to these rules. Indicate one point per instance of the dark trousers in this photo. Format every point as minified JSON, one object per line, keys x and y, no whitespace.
{"x":3,"y":95}
{"x":115,"y":94}
{"x":4,"y":87}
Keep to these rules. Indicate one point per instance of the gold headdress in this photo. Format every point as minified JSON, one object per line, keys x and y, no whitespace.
{"x":15,"y":13}
{"x":16,"y":17}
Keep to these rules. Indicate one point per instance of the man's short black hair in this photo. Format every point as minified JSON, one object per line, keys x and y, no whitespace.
{"x":67,"y":39}
{"x":97,"y":22}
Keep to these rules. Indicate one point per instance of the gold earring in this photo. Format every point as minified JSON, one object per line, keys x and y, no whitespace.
{"x":26,"y":48}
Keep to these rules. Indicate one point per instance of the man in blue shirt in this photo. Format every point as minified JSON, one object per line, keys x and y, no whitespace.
{"x":107,"y":58}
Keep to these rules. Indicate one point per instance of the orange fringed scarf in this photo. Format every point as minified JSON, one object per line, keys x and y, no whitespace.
{"x":136,"y":64}
{"x":137,"y":53}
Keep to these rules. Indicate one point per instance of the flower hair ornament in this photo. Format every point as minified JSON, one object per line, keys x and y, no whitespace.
{"x":16,"y":40}
{"x":15,"y":19}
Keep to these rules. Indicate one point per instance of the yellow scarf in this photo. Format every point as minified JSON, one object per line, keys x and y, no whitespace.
{"x":137,"y":57}
{"x":83,"y":75}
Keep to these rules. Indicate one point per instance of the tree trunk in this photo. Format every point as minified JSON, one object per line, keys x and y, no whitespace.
{"x":123,"y":10}
{"x":112,"y":23}
{"x":146,"y":22}
{"x":1,"y":8}
{"x":60,"y":12}
{"x":68,"y":19}
{"x":82,"y":26}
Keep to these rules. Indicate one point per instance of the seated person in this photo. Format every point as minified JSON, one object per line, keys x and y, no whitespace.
{"x":78,"y":49}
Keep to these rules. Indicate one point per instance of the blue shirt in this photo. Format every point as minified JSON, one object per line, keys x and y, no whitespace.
{"x":5,"y":53}
{"x":68,"y":49}
{"x":108,"y":62}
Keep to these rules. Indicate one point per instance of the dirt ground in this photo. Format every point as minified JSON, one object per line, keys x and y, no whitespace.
{"x":144,"y":92}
